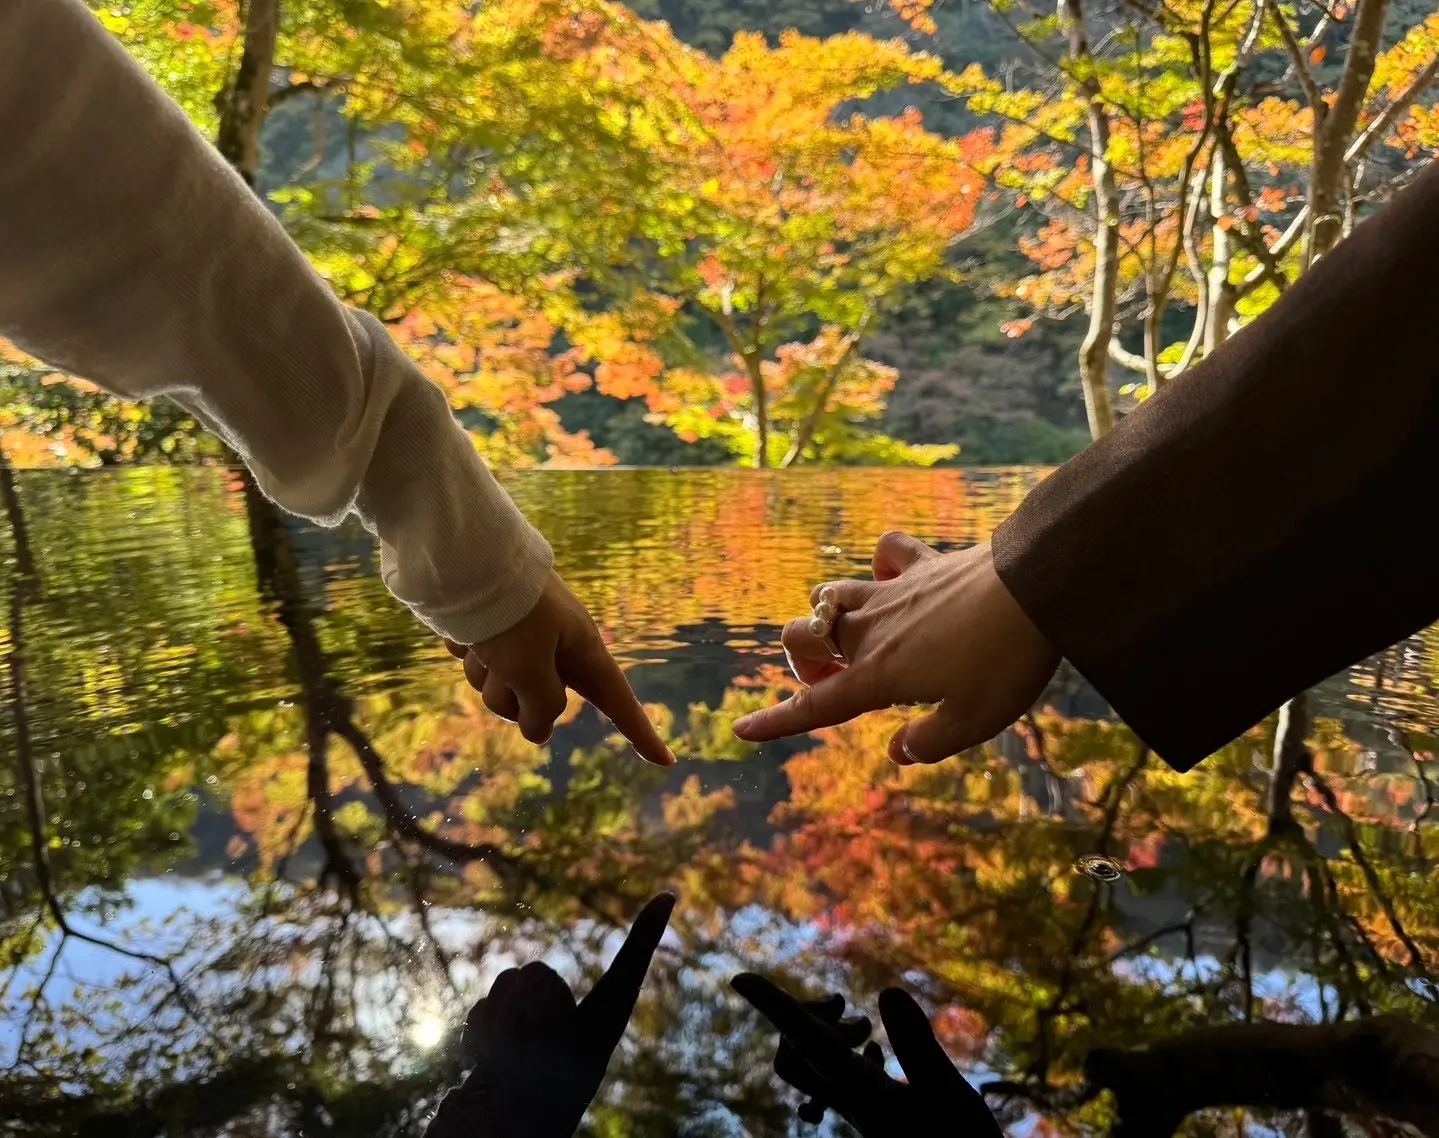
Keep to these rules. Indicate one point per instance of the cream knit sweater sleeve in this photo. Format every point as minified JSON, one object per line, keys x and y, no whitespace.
{"x":131,"y":255}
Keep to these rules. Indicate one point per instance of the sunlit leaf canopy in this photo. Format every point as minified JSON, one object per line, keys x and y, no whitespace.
{"x":331,"y":901}
{"x":552,"y":197}
{"x":540,"y":196}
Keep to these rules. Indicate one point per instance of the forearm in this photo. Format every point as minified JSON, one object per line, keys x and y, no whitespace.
{"x":131,"y":255}
{"x":1199,"y":564}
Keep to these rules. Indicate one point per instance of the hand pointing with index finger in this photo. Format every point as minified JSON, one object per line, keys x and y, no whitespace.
{"x":931,"y":628}
{"x":523,"y":672}
{"x":818,"y":1057}
{"x":540,"y":1057}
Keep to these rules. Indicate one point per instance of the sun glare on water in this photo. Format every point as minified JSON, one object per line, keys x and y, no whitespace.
{"x":427,"y":1031}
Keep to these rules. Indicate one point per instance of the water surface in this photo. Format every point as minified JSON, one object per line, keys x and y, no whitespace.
{"x":260,"y":847}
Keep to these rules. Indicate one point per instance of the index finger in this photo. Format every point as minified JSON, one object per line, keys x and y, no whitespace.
{"x":816,"y":1041}
{"x":600,"y":680}
{"x":606,"y":1010}
{"x":928,"y":1067}
{"x":910,"y":1035}
{"x":833,"y":700}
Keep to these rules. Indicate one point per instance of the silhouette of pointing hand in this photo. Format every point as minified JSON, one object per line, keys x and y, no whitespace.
{"x":539,"y":1057}
{"x":817,"y":1057}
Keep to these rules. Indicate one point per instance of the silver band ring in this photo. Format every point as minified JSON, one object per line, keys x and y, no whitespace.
{"x":826,"y":614}
{"x":904,"y":748}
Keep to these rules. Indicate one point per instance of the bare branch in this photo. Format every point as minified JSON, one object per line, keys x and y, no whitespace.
{"x":1380,"y":126}
{"x":1278,"y":249}
{"x":305,"y":86}
{"x":1339,"y":123}
{"x":1127,"y":359}
{"x":1298,"y":63}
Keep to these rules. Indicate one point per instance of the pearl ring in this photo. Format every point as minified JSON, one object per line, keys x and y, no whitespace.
{"x":826,"y":613}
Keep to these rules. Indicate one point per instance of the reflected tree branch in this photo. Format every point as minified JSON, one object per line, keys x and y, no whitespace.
{"x":397,"y":816}
{"x":1112,"y":798}
{"x":1384,"y":1067}
{"x":327,"y":711}
{"x":24,"y":587}
{"x":1366,"y":867}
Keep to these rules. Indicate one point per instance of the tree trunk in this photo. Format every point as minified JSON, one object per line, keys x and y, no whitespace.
{"x":15,"y":516}
{"x":244,"y":103}
{"x":1221,"y":293}
{"x":1153,"y":344}
{"x":1291,"y":759}
{"x":1094,"y":352}
{"x":1334,"y":128}
{"x":761,"y":408}
{"x":805,"y":434}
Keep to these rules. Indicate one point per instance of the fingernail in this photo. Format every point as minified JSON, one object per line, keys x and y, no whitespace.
{"x":669,"y":759}
{"x":739,"y":726}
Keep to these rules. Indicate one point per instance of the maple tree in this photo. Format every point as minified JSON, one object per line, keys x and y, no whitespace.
{"x":548,"y":196}
{"x":794,"y":219}
{"x":669,"y":185}
{"x":1169,"y":166}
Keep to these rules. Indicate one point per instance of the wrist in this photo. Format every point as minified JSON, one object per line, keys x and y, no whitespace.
{"x":1007,"y":609}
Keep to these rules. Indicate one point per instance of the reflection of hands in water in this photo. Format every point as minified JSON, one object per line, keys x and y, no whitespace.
{"x":539,"y":1057}
{"x":930,"y":627}
{"x":817,"y":1057}
{"x":523,"y":673}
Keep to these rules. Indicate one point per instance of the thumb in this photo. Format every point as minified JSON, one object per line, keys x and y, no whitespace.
{"x":833,"y":700}
{"x":935,"y":737}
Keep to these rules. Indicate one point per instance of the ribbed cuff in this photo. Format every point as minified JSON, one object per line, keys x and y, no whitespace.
{"x":508,"y":597}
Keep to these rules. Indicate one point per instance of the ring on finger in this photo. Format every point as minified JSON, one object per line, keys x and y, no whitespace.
{"x":827,"y":612}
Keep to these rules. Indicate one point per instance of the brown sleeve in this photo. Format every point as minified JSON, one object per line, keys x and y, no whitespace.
{"x":1249,"y":531}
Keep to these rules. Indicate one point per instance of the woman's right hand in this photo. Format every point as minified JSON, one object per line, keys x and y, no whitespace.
{"x":930,"y":628}
{"x":523,"y":672}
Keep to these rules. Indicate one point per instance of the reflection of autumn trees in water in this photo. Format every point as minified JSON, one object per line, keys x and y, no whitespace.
{"x":391,"y":847}
{"x":1231,"y":913}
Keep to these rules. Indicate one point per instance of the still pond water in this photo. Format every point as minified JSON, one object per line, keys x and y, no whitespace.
{"x":262,"y":847}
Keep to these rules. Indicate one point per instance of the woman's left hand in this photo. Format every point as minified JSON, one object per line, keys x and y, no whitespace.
{"x":930,"y":628}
